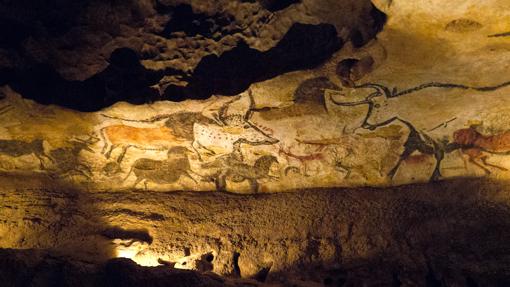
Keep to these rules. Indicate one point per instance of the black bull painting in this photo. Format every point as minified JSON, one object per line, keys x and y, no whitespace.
{"x":378,"y":98}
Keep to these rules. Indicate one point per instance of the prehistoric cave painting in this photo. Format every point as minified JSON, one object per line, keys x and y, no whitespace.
{"x":478,"y":147}
{"x":232,"y":167}
{"x":147,"y":138}
{"x":18,"y":148}
{"x":303,"y":160}
{"x":226,"y":127}
{"x":417,"y":140}
{"x":505,"y":34}
{"x":67,"y":159}
{"x":166,"y":171}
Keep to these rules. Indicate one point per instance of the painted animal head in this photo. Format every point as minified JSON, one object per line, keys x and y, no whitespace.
{"x":178,"y":150}
{"x":376,"y":98}
{"x":84,"y":144}
{"x":234,"y":118}
{"x":465,"y":137}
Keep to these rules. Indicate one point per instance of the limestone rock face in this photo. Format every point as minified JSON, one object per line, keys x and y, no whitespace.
{"x":68,"y":53}
{"x":130,"y":131}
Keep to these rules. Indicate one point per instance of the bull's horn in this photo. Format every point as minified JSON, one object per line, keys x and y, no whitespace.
{"x":350,"y":104}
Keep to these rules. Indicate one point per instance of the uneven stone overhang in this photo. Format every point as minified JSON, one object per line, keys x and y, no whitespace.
{"x":92,"y":54}
{"x":425,"y":100}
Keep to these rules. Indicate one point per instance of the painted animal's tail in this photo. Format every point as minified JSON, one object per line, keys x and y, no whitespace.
{"x":447,"y":86}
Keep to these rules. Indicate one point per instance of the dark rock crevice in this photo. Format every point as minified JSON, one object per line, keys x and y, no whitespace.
{"x":125,"y":79}
{"x":45,"y":79}
{"x":303,"y":47}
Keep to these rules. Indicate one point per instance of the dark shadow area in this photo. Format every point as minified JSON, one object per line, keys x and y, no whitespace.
{"x":34,"y":39}
{"x":125,"y":79}
{"x":183,"y":19}
{"x":52,"y":18}
{"x":277,"y":5}
{"x":126,"y":234}
{"x":303,"y":47}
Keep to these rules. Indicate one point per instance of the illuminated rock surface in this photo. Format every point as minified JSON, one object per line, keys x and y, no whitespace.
{"x":317,"y":118}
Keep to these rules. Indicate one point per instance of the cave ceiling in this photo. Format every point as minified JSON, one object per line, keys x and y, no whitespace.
{"x":370,"y":141}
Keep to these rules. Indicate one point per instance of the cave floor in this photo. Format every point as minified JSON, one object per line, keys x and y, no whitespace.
{"x":448,"y":232}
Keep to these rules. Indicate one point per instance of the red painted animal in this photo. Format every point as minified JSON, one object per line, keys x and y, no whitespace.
{"x":302,"y":159}
{"x":478,"y":147}
{"x":156,"y":138}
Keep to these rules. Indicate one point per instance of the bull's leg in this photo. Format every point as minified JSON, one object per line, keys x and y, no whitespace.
{"x":436,"y":175}
{"x":408,"y":150}
{"x":484,"y":160}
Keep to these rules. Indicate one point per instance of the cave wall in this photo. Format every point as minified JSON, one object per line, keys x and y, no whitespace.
{"x":127,"y":131}
{"x":410,"y":106}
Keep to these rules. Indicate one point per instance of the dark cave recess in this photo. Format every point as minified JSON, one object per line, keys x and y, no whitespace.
{"x":304,"y":46}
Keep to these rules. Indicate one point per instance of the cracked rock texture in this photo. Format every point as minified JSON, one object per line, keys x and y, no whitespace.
{"x":57,"y":52}
{"x":318,"y":118}
{"x":444,"y":234}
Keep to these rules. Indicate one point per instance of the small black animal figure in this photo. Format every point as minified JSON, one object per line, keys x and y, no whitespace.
{"x":17,"y":148}
{"x":231,"y":167}
{"x":162,"y":171}
{"x":67,"y":161}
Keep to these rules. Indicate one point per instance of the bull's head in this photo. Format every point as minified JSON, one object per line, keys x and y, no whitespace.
{"x":376,"y":98}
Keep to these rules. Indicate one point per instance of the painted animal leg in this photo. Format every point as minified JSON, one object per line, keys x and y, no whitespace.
{"x":193,"y":146}
{"x":110,"y":150}
{"x":472,"y":160}
{"x":254,"y":185}
{"x":436,"y":175}
{"x":464,"y":159}
{"x":484,"y":160}
{"x":407,"y":152}
{"x":189,"y":175}
{"x":41,"y":163}
{"x":137,"y":181}
{"x":305,"y":169}
{"x":221,"y":183}
{"x":123,"y":153}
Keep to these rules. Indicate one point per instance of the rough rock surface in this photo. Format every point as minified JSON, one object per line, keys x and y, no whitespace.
{"x":443,"y":234}
{"x":426,"y":101}
{"x":63,"y":52}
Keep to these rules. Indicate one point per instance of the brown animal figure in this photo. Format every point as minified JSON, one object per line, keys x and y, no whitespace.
{"x":226,"y":128}
{"x":162,"y":171}
{"x":157,"y":138}
{"x":477,"y":146}
{"x":17,"y":148}
{"x":232,"y":167}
